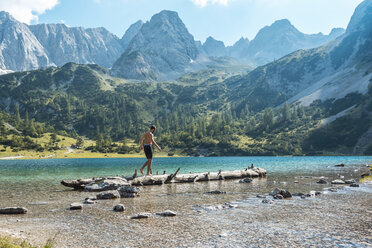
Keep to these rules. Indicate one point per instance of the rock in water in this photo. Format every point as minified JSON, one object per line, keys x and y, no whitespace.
{"x":141,"y":216}
{"x":354,"y":185}
{"x":245,"y":180}
{"x":350,"y":181}
{"x":88,"y":201}
{"x":76,"y":206}
{"x":339,"y":165}
{"x":278,"y":197}
{"x":216,"y":192}
{"x":322,"y":181}
{"x":267,"y":201}
{"x":260,"y":196}
{"x":337,"y":181}
{"x":108,"y":195}
{"x":282,"y":192}
{"x":119,"y":208}
{"x":128,"y":191}
{"x":13,"y":210}
{"x":167,"y":213}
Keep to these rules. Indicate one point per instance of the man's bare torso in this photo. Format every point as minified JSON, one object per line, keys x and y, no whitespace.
{"x":148,"y":138}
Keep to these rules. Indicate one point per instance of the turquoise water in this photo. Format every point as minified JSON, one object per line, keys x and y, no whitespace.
{"x":58,"y":169}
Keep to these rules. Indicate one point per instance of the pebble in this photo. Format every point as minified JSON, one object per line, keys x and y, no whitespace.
{"x":167,"y":213}
{"x":216,"y":192}
{"x":13,"y":210}
{"x":245,"y":180}
{"x":119,"y":208}
{"x":141,"y":216}
{"x":76,"y":206}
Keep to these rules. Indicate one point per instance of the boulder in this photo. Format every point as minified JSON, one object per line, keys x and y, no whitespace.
{"x":112,"y":183}
{"x":13,"y":210}
{"x":76,"y":206}
{"x":216,"y":192}
{"x":167,"y":213}
{"x":245,"y":180}
{"x":108,"y":195}
{"x":350,"y":181}
{"x":141,"y":216}
{"x":267,"y":201}
{"x":337,"y":181}
{"x":282,"y":192}
{"x":128,"y":191}
{"x":318,"y":193}
{"x":278,"y":197}
{"x":354,"y":185}
{"x":322,"y":181}
{"x":119,"y":208}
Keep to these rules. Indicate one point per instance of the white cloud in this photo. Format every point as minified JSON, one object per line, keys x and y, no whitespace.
{"x":27,"y":10}
{"x":203,"y":3}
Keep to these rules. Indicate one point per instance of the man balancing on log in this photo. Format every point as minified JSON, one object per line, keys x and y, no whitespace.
{"x":149,"y":140}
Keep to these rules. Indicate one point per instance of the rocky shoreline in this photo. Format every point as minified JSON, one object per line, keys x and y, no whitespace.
{"x":290,"y":211}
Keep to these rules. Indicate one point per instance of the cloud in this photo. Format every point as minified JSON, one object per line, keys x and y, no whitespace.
{"x":27,"y":10}
{"x":203,"y":3}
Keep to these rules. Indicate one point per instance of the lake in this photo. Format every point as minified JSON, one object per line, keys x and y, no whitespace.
{"x":315,"y":221}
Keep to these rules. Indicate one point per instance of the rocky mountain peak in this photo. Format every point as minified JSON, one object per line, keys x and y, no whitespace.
{"x":162,"y":49}
{"x":362,"y":18}
{"x":215,"y":48}
{"x":130,"y":33}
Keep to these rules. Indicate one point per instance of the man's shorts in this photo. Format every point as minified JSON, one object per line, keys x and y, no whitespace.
{"x":148,"y":151}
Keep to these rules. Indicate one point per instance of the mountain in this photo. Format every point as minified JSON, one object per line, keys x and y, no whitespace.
{"x":281,"y":38}
{"x":238,"y":48}
{"x":19,"y":48}
{"x":162,"y":49}
{"x":130,"y":33}
{"x":214,"y":48}
{"x":27,"y":47}
{"x":76,"y":44}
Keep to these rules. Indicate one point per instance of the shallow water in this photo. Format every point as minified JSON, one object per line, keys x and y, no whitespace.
{"x":35,"y":184}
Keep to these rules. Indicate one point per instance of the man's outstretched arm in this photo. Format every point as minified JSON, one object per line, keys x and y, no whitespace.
{"x":155,"y":144}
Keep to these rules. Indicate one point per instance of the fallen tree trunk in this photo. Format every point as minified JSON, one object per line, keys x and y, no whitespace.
{"x":175,"y":178}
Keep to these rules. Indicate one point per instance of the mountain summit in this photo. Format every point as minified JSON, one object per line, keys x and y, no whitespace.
{"x":162,"y":49}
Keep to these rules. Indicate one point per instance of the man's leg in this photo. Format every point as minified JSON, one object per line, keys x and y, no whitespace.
{"x":144,"y":165}
{"x":149,"y":170}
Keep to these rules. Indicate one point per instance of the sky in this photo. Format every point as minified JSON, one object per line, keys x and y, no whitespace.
{"x":225,"y":20}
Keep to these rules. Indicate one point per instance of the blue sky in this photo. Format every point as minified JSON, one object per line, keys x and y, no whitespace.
{"x":225,"y":20}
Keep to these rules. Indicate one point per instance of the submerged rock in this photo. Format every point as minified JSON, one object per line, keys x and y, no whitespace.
{"x":282,"y":192}
{"x":141,"y":216}
{"x":278,"y":197}
{"x":332,"y":190}
{"x":13,"y":210}
{"x":298,"y":194}
{"x":76,"y":206}
{"x":216,"y":192}
{"x":322,"y":181}
{"x":260,"y":196}
{"x":246,"y":180}
{"x":350,"y":181}
{"x":339,"y":165}
{"x":108,"y":195}
{"x":167,"y":213}
{"x":119,"y":208}
{"x":267,"y":201}
{"x":128,"y":191}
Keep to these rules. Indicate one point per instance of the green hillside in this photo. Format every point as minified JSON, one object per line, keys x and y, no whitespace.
{"x":196,"y":114}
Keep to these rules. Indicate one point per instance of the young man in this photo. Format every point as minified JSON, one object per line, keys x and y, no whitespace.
{"x":149,"y":140}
